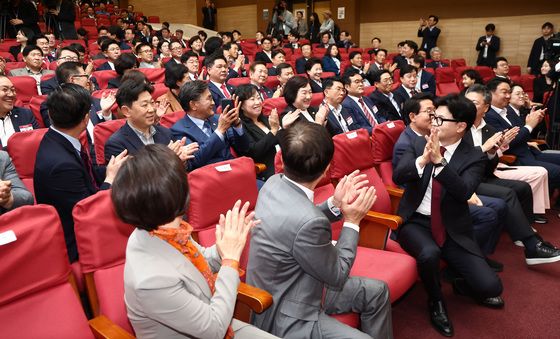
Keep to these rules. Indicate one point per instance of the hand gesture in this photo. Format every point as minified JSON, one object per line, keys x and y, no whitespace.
{"x":6,"y":196}
{"x":366,"y":66}
{"x":187,"y":152}
{"x":229,"y":117}
{"x":393,"y":67}
{"x":176,"y":145}
{"x":107,"y":101}
{"x":274,"y":121}
{"x":90,"y":67}
{"x":348,"y":187}
{"x":321,"y":116}
{"x":355,"y":210}
{"x":509,"y":136}
{"x":232,"y":230}
{"x":422,"y":22}
{"x":114,"y":165}
{"x":279,"y":92}
{"x":474,"y":200}
{"x":492,"y":144}
{"x":435,"y":154}
{"x":162,"y":107}
{"x":535,"y":117}
{"x":290,"y":117}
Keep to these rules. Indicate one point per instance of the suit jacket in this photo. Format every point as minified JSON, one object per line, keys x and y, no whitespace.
{"x":311,"y":110}
{"x":436,"y":64}
{"x":22,"y":120}
{"x":517,"y":146}
{"x":126,"y":138}
{"x":211,"y":148}
{"x":315,"y":88}
{"x":262,"y":146}
{"x":459,"y":180}
{"x":65,"y":19}
{"x":534,"y":60}
{"x":300,"y":65}
{"x":266,"y":92}
{"x":333,"y":124}
{"x":104,"y":67}
{"x":386,"y":108}
{"x":272,"y":71}
{"x":174,"y":104}
{"x":493,"y":49}
{"x":329,"y":65}
{"x":291,"y":256}
{"x":209,"y":19}
{"x":261,"y":56}
{"x":404,"y":142}
{"x":23,"y":71}
{"x":429,"y":38}
{"x":428,"y":83}
{"x":491,"y":164}
{"x":217,"y":94}
{"x":61,"y":180}
{"x":158,"y":278}
{"x":8,"y":172}
{"x":15,"y":51}
{"x":95,"y":107}
{"x":358,"y":114}
{"x":48,"y":86}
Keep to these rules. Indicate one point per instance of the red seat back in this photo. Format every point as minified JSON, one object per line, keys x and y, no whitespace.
{"x":316,"y":99}
{"x":384,"y":137}
{"x":169,"y":119}
{"x":155,"y":75}
{"x":514,"y":70}
{"x":153,"y":19}
{"x":239,"y":81}
{"x":278,"y":103}
{"x":458,"y":63}
{"x":485,"y":72}
{"x":35,"y":291}
{"x":26,"y":87}
{"x":8,"y":57}
{"x":159,"y":90}
{"x":35,"y":106}
{"x":103,"y":77}
{"x":354,"y":151}
{"x":445,"y":75}
{"x":13,"y":65}
{"x":101,"y":133}
{"x":23,"y":147}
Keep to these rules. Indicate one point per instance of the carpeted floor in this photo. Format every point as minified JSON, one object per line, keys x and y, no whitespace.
{"x":532,"y":300}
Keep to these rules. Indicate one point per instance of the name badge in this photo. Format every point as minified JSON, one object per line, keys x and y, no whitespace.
{"x":349,"y":120}
{"x":424,"y":86}
{"x":375,"y":109}
{"x":26,"y":128}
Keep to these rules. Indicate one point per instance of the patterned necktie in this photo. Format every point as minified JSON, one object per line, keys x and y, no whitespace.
{"x":263,"y":93}
{"x":369,"y":117}
{"x":438,"y":229}
{"x":87,"y":165}
{"x":225,"y":91}
{"x":413,"y":92}
{"x":207,"y":128}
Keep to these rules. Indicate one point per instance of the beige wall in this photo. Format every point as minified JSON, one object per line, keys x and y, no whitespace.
{"x":241,"y":18}
{"x":183,"y":11}
{"x":459,"y":36}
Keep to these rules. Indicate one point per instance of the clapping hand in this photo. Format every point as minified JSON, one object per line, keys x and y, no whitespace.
{"x":114,"y":165}
{"x":290,"y":117}
{"x":107,"y":101}
{"x":232,"y":231}
{"x":6,"y":197}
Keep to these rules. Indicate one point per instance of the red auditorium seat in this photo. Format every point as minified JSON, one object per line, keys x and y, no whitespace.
{"x":26,"y":87}
{"x":526,"y":80}
{"x":445,"y":81}
{"x":514,"y":70}
{"x":159,"y":90}
{"x":239,"y":81}
{"x":103,"y":77}
{"x":8,"y":57}
{"x":13,"y":65}
{"x":35,"y":106}
{"x":397,"y":76}
{"x":272,"y":82}
{"x":23,"y":147}
{"x":384,"y":137}
{"x":316,"y":99}
{"x":38,"y":297}
{"x":154,"y":75}
{"x":485,"y":71}
{"x":458,"y":63}
{"x":368,"y":90}
{"x":458,"y":76}
{"x":327,"y":75}
{"x":153,"y":19}
{"x":278,"y":103}
{"x":101,"y":133}
{"x":169,"y":119}
{"x":101,"y":238}
{"x":88,"y":22}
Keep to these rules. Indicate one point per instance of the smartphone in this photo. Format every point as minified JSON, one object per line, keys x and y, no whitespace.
{"x":226,"y":102}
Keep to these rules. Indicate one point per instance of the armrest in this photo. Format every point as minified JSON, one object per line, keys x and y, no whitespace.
{"x":538,"y":141}
{"x":258,"y":300}
{"x":508,"y":159}
{"x":259,"y":168}
{"x":103,"y":328}
{"x":395,"y":194}
{"x":375,"y":227}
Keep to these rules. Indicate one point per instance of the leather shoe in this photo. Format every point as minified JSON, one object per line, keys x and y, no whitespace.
{"x":439,"y":319}
{"x":495,"y":265}
{"x":494,"y":302}
{"x":540,"y":219}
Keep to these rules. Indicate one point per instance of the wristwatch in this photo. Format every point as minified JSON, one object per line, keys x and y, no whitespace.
{"x":441,"y":164}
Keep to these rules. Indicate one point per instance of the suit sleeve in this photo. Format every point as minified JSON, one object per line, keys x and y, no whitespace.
{"x":259,"y":149}
{"x":478,"y":47}
{"x":494,"y":44}
{"x":20,"y":193}
{"x":207,"y":150}
{"x":406,"y":171}
{"x":461,"y":187}
{"x":113,"y":147}
{"x":314,"y":251}
{"x":240,"y":143}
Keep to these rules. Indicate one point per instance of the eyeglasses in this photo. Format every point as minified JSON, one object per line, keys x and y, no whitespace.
{"x":430,"y":111}
{"x":8,"y":90}
{"x":68,"y":58}
{"x":81,"y":76}
{"x":146,"y":51}
{"x":176,"y":48}
{"x":438,"y":121}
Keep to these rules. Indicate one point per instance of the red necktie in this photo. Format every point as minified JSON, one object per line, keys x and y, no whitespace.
{"x":87,"y":165}
{"x":263,"y":93}
{"x":438,"y":229}
{"x":225,"y":91}
{"x":367,"y":113}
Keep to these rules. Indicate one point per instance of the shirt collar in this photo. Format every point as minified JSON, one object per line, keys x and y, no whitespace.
{"x":309,"y":193}
{"x":500,"y":111}
{"x":217,"y":84}
{"x":75,"y":142}
{"x":515,"y":110}
{"x":451,"y":148}
{"x":142,"y":135}
{"x":475,"y":129}
{"x":198,"y":122}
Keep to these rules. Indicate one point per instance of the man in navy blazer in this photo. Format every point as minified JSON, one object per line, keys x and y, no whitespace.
{"x":65,"y":54}
{"x":258,"y":73}
{"x":429,"y":33}
{"x":215,"y":134}
{"x":502,"y":118}
{"x":306,"y":55}
{"x":407,"y":88}
{"x":111,"y":49}
{"x":218,"y":72}
{"x":425,"y":81}
{"x":15,"y":119}
{"x":63,"y":170}
{"x":382,"y":97}
{"x":355,"y":102}
{"x":339,"y":119}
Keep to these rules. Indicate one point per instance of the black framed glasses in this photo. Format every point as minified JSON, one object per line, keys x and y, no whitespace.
{"x":438,"y":121}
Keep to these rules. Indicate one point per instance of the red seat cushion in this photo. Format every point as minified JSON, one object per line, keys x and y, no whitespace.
{"x":101,"y":133}
{"x":384,"y":137}
{"x":26,"y":87}
{"x":278,"y":103}
{"x":169,"y":119}
{"x":109,"y":284}
{"x":23,"y":147}
{"x":103,"y":77}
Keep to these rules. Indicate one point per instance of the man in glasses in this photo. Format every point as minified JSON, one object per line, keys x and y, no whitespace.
{"x":441,"y":173}
{"x":146,"y":55}
{"x":64,"y":54}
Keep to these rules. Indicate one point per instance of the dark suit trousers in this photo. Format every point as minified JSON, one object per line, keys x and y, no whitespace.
{"x":522,"y":190}
{"x":517,"y":225}
{"x":415,"y":237}
{"x":487,"y":222}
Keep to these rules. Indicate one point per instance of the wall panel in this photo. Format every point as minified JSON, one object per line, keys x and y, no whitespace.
{"x":178,"y":11}
{"x":241,"y":18}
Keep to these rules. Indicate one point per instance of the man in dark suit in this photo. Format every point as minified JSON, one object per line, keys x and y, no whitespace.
{"x":540,"y":49}
{"x":14,"y":119}
{"x":306,"y":55}
{"x":111,"y":50}
{"x":218,"y":71}
{"x":266,"y":54}
{"x":440,"y":175}
{"x":292,"y":256}
{"x":215,"y":134}
{"x":209,"y":12}
{"x":362,"y":109}
{"x":383,"y":98}
{"x":487,"y":46}
{"x":339,"y":119}
{"x":435,"y":54}
{"x":61,"y":19}
{"x":314,"y":70}
{"x":259,"y":75}
{"x":278,"y":57}
{"x":293,"y":40}
{"x":357,"y":63}
{"x":63,"y":170}
{"x":408,"y":86}
{"x":63,"y":55}
{"x":425,"y":81}
{"x":517,"y":194}
{"x":429,"y":33}
{"x":409,"y":50}
{"x":23,"y":14}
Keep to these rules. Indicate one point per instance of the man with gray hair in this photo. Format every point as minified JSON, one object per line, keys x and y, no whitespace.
{"x":436,"y":59}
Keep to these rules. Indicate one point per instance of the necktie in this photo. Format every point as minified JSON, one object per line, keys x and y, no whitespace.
{"x":438,"y":229}
{"x":263,"y":93}
{"x":225,"y":91}
{"x":207,"y":128}
{"x":413,"y":92}
{"x":369,"y":117}
{"x":87,"y":165}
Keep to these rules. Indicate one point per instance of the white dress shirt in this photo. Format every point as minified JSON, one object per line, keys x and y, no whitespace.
{"x":6,"y":129}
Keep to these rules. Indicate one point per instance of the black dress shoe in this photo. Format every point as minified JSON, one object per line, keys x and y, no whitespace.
{"x":494,"y":302}
{"x":439,"y":319}
{"x":543,"y":253}
{"x":540,"y":219}
{"x":495,"y":265}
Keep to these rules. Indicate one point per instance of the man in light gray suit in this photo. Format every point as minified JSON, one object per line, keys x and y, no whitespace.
{"x":13,"y":192}
{"x":292,"y":255}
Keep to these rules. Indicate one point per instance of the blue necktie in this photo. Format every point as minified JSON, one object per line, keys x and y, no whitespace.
{"x":207,"y":128}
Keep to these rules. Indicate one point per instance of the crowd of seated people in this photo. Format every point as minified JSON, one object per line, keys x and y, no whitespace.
{"x":294,"y":93}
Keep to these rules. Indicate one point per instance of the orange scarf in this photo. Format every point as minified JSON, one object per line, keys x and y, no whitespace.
{"x":179,"y":239}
